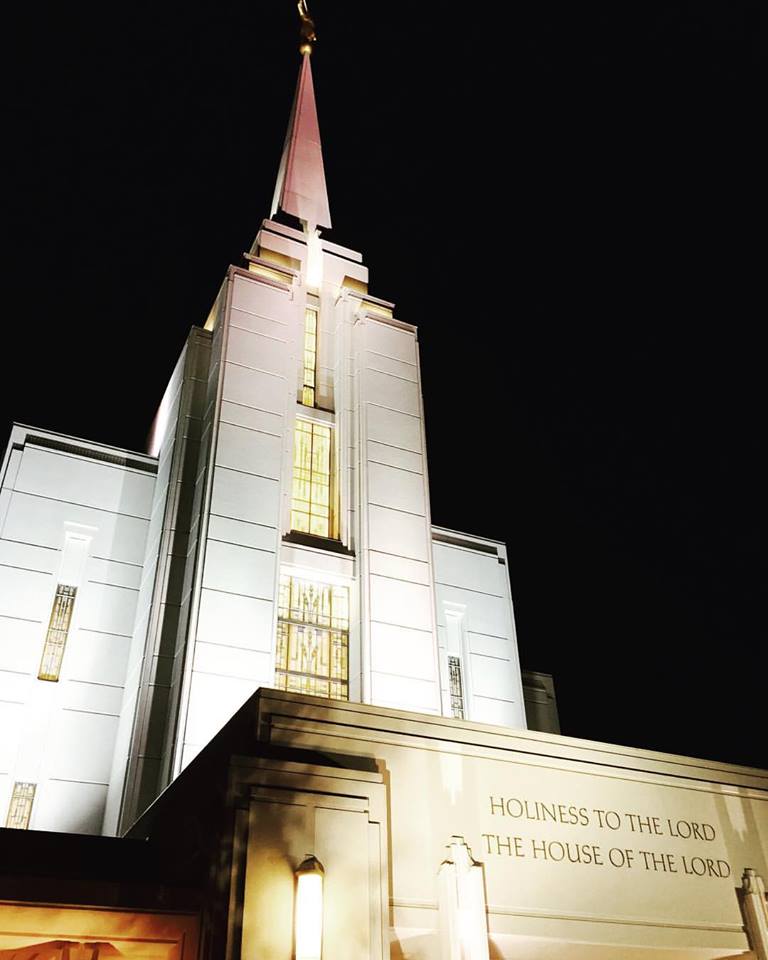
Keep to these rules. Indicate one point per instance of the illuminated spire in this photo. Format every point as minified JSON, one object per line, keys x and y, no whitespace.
{"x":300,"y":189}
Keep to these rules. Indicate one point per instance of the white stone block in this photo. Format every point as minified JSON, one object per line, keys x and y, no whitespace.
{"x":403,"y":534}
{"x":115,"y":574}
{"x":21,"y":643}
{"x":24,"y":594}
{"x":404,"y":693}
{"x":395,"y":457}
{"x":492,"y":677}
{"x":257,"y":352}
{"x":392,"y":392}
{"x":402,"y":652}
{"x":230,"y":661}
{"x":10,"y":721}
{"x":242,"y":533}
{"x":469,"y":570}
{"x":397,"y":368}
{"x":239,"y":570}
{"x":241,"y":496}
{"x":97,"y":657}
{"x":498,"y":712}
{"x":226,"y":618}
{"x":14,"y":687}
{"x":255,"y":323}
{"x":91,"y":697}
{"x":81,"y":746}
{"x":501,"y":647}
{"x":254,"y":388}
{"x":398,"y":567}
{"x":391,"y":341}
{"x":403,"y":604}
{"x":106,"y":609}
{"x":251,"y":418}
{"x":69,"y":807}
{"x":393,"y":428}
{"x":249,"y":452}
{"x":261,"y":299}
{"x":399,"y":489}
{"x":28,"y":557}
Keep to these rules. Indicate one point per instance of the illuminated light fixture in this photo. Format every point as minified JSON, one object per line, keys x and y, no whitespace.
{"x":463,"y":911}
{"x":308,"y":916}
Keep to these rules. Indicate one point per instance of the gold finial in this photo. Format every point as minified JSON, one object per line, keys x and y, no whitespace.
{"x":308,"y":36}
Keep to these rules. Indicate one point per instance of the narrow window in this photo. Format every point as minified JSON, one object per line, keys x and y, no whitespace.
{"x":456,"y":687}
{"x":20,"y":810}
{"x":58,"y":628}
{"x":309,"y":382}
{"x":311,"y":504}
{"x":313,"y":638}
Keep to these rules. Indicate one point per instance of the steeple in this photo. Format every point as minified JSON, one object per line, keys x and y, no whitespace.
{"x":300,"y":189}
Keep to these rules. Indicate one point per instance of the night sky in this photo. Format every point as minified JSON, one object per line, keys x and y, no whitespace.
{"x":562,"y":197}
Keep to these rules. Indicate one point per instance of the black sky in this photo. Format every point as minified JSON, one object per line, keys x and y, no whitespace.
{"x":564,"y":199}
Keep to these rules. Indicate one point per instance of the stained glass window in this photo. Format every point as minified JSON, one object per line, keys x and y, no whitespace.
{"x":20,"y":809}
{"x":311,"y":504}
{"x":313,"y":638}
{"x":58,"y":628}
{"x":456,"y":687}
{"x":309,"y":383}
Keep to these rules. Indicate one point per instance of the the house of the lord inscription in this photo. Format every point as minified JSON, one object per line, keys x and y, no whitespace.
{"x":629,"y":839}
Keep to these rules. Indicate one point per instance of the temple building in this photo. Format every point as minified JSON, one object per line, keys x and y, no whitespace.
{"x":285,"y":706}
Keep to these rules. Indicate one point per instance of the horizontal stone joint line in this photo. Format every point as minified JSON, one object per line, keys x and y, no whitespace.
{"x":257,"y":333}
{"x":94,"y":783}
{"x":234,"y":593}
{"x":392,"y":466}
{"x":245,"y":473}
{"x":242,"y":426}
{"x":245,"y":366}
{"x":395,"y":376}
{"x":86,"y":506}
{"x":411,"y":513}
{"x":26,"y":543}
{"x":12,"y":566}
{"x":388,"y":356}
{"x":383,"y":406}
{"x":96,"y":713}
{"x":456,"y":586}
{"x":117,"y":586}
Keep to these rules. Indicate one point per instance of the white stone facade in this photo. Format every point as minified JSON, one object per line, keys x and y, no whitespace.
{"x":180,"y":553}
{"x":76,"y":513}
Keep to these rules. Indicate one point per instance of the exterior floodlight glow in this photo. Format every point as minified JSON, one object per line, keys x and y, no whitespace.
{"x":308,"y":918}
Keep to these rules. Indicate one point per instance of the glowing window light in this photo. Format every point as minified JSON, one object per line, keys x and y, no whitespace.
{"x":308,"y":918}
{"x":311,"y":503}
{"x":309,"y":382}
{"x":456,"y":687}
{"x":58,"y":630}
{"x":20,"y":809}
{"x":312,"y":651}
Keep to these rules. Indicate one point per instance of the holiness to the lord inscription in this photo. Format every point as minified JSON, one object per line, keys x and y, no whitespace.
{"x":626,"y":838}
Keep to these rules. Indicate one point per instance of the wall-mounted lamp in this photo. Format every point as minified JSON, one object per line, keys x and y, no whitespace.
{"x":308,"y":917}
